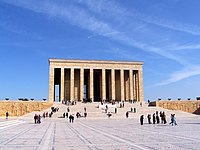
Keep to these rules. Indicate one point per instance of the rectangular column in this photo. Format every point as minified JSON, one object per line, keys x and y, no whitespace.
{"x":131,"y":83}
{"x":91,"y":84}
{"x":136,"y":86}
{"x":140,"y":84}
{"x":51,"y":84}
{"x":122,"y":83}
{"x":62,"y":83}
{"x":113,"y":83}
{"x":103,"y":84}
{"x":81,"y":84}
{"x":72,"y":84}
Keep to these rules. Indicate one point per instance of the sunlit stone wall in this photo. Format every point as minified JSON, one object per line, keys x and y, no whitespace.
{"x":190,"y":106}
{"x":19,"y":108}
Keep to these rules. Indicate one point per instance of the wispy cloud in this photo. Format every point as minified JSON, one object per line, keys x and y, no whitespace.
{"x":186,"y":72}
{"x":82,"y":18}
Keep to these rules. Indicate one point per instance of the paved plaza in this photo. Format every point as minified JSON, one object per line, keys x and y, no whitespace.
{"x":103,"y":133}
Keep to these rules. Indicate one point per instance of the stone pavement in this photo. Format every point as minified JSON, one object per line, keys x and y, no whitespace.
{"x":104,"y":133}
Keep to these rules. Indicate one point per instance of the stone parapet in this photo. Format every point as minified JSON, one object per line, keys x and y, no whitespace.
{"x":19,"y":108}
{"x":183,"y":105}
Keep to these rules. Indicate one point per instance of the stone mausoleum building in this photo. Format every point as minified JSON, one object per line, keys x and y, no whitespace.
{"x":97,"y":80}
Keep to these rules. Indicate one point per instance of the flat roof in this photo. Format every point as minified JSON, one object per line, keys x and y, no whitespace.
{"x":95,"y":61}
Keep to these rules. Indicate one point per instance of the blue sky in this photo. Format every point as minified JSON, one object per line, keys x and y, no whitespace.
{"x":165,"y":34}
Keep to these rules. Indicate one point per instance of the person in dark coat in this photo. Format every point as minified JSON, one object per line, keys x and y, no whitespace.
{"x":154,"y":118}
{"x":127,"y":114}
{"x":6,"y":115}
{"x":35,"y":118}
{"x":157,"y":118}
{"x":149,"y":118}
{"x":115,"y":110}
{"x":141,"y":119}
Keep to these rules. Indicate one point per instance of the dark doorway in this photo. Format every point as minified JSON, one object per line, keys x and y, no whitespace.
{"x":57,"y":78}
{"x":97,"y":85}
{"x":86,"y":83}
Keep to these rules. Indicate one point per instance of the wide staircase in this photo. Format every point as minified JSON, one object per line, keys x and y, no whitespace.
{"x":97,"y":111}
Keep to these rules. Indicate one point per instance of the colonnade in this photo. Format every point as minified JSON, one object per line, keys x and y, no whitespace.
{"x":76,"y":83}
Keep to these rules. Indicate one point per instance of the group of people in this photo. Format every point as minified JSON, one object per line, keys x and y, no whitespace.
{"x":158,"y":118}
{"x":37,"y":119}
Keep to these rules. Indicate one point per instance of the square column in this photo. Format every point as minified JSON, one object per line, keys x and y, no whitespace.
{"x":113,"y":83}
{"x":51,"y":84}
{"x":62,"y":83}
{"x":122,"y":83}
{"x":137,"y":86}
{"x":131,"y":83}
{"x":91,"y":84}
{"x":140,"y":84}
{"x":81,"y":84}
{"x":103,"y":84}
{"x":72,"y":84}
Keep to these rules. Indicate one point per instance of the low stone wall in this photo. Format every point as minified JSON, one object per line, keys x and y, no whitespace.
{"x":19,"y":108}
{"x":183,"y":105}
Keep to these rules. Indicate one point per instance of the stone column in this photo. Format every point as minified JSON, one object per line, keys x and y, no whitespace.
{"x":51,"y":84}
{"x":140,"y":84}
{"x":113,"y":83}
{"x":137,"y":86}
{"x":62,"y":83}
{"x":131,"y":83}
{"x":122,"y":83}
{"x":91,"y":84}
{"x":103,"y":84}
{"x":72,"y":84}
{"x":81,"y":83}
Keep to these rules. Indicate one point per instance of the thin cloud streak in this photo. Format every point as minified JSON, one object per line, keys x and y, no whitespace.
{"x":180,"y":75}
{"x":85,"y":20}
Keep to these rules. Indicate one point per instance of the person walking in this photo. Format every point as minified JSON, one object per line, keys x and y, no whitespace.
{"x":7,"y":115}
{"x":115,"y":110}
{"x":141,"y":119}
{"x":35,"y":118}
{"x":127,"y":114}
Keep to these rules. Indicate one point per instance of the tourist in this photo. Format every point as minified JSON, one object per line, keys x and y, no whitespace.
{"x":164,"y":118}
{"x":44,"y":115}
{"x":68,"y":109}
{"x":127,"y":114}
{"x":35,"y":118}
{"x":141,"y":119}
{"x":154,"y":118}
{"x":123,"y":104}
{"x":131,"y":109}
{"x":85,"y":114}
{"x":141,"y":104}
{"x":157,"y":118}
{"x":109,"y":115}
{"x":115,"y":110}
{"x":173,"y":120}
{"x":39,"y":119}
{"x":161,"y":117}
{"x":67,"y":114}
{"x":149,"y":118}
{"x":71,"y":118}
{"x":6,"y":115}
{"x":85,"y":109}
{"x":134,"y":110}
{"x":63,"y":115}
